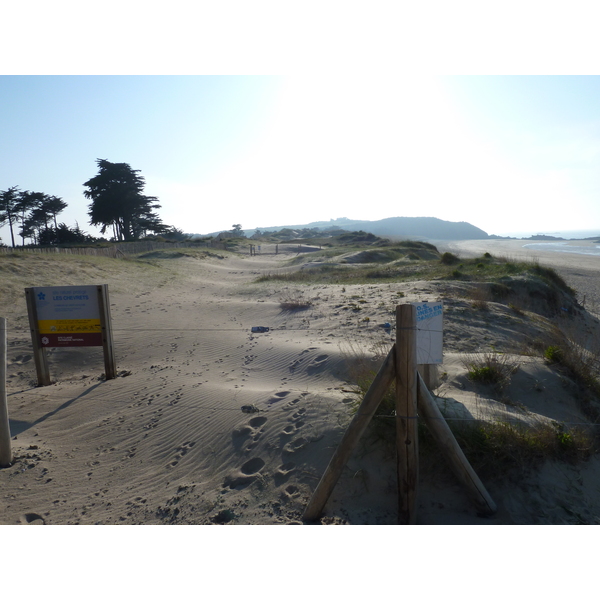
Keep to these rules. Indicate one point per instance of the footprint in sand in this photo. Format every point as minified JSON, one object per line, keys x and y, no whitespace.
{"x":291,"y":491}
{"x":283,"y":472}
{"x":254,"y":465}
{"x":317,"y":364}
{"x":251,"y":430}
{"x":248,"y":472}
{"x":21,"y":359}
{"x":295,"y":445}
{"x":32,"y":519}
{"x":277,"y":397}
{"x":298,"y":417}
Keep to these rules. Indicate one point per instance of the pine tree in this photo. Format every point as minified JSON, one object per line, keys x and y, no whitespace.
{"x":118,"y":202}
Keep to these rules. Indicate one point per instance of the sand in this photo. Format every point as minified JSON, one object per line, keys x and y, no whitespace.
{"x":210,"y":423}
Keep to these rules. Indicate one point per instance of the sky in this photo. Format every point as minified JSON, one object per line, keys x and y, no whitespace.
{"x":503,"y":151}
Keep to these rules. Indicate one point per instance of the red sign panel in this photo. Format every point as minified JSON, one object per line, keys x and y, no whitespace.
{"x":57,"y":340}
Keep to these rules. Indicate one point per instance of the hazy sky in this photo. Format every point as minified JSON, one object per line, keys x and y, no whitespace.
{"x":505,"y":153}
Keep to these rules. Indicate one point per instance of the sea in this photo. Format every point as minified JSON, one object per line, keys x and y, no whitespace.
{"x":571,"y":242}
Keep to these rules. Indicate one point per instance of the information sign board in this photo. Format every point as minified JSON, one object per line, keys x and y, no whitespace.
{"x":68,"y":316}
{"x":429,"y":332}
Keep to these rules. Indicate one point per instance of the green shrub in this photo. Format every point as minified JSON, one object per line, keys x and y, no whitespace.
{"x":449,"y":259}
{"x":553,"y":354}
{"x":490,"y":368}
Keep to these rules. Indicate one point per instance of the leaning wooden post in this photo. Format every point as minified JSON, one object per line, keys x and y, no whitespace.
{"x":433,"y":418}
{"x":407,"y":441}
{"x":357,"y":427}
{"x":5,"y":448}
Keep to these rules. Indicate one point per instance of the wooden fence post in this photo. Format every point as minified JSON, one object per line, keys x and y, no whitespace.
{"x":357,"y":427}
{"x":5,"y":448}
{"x":407,"y":441}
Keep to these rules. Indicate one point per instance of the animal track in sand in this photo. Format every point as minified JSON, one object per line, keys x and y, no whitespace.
{"x":181,"y":452}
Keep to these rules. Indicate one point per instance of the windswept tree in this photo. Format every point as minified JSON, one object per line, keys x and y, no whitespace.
{"x":38,"y":212}
{"x":9,"y":209}
{"x":118,"y":202}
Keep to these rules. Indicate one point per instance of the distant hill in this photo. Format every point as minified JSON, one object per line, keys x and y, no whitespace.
{"x":407,"y":227}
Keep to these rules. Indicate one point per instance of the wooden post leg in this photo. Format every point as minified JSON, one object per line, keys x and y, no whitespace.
{"x":430,"y":413}
{"x":407,"y":442}
{"x":357,"y":427}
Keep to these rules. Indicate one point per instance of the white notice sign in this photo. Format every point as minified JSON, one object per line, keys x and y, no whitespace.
{"x":429,"y":332}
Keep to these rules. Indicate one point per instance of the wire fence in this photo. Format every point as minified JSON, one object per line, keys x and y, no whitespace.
{"x":120,"y":249}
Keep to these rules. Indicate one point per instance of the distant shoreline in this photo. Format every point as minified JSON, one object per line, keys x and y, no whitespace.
{"x":580,"y":271}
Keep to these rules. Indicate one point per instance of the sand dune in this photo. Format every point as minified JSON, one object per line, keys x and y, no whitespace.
{"x":210,"y":423}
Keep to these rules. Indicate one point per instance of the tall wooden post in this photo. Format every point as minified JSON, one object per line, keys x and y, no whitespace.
{"x":110,"y":367}
{"x":5,"y":448}
{"x":407,"y":443}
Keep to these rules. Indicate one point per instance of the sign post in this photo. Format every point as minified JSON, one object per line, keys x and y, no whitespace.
{"x":5,"y":447}
{"x":67,"y":316}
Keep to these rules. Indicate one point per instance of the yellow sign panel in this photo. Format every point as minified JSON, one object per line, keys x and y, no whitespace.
{"x":70,"y":326}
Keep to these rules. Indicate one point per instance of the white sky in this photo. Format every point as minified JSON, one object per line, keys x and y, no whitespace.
{"x":367,"y":128}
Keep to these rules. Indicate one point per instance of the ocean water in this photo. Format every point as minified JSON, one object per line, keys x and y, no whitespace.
{"x":568,"y":245}
{"x":592,"y":249}
{"x":577,"y":234}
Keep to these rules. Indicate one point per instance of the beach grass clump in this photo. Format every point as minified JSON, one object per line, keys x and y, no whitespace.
{"x":294,"y":300}
{"x":553,"y":354}
{"x":490,"y":368}
{"x":496,"y":447}
{"x":580,"y":363}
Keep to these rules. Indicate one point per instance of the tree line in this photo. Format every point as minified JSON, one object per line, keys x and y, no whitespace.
{"x":118,"y":204}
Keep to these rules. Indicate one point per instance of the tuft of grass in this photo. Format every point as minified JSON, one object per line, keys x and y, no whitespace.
{"x":490,"y":368}
{"x":294,"y":300}
{"x":553,"y":354}
{"x":495,"y":448}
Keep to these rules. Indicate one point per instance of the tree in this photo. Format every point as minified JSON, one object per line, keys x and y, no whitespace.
{"x":9,"y":209}
{"x":237,"y":230}
{"x":118,"y":201}
{"x":62,"y":234}
{"x":38,"y":211}
{"x":27,"y":203}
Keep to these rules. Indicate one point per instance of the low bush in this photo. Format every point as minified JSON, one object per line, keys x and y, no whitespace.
{"x":449,"y":259}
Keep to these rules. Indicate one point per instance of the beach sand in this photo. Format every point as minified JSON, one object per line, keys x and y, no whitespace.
{"x":210,"y":423}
